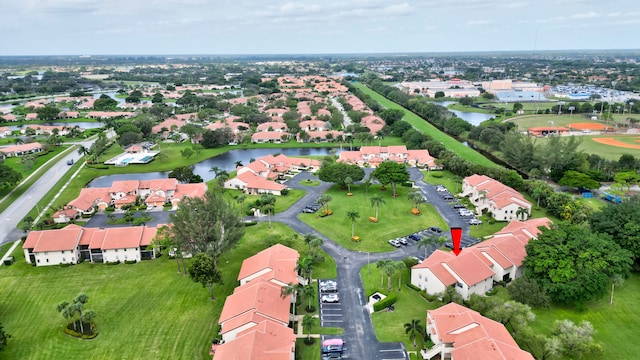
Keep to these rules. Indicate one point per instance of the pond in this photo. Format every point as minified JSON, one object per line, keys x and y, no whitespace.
{"x":473,"y":118}
{"x":224,"y":161}
{"x":82,"y":125}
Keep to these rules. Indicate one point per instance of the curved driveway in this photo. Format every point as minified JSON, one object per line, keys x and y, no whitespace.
{"x":359,"y":334}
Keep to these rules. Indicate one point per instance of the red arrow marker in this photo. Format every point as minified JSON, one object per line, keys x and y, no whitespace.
{"x":456,"y":236}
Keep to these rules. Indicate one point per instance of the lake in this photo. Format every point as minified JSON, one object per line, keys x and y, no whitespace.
{"x":224,"y":161}
{"x":473,"y":118}
{"x":82,"y":125}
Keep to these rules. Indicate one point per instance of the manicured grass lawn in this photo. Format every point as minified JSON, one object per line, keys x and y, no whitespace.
{"x":528,"y":121}
{"x":389,"y":325}
{"x":617,"y":325}
{"x":422,"y":125}
{"x":446,"y":179}
{"x":145,"y":310}
{"x":282,"y":202}
{"x":395,"y":218}
{"x":310,"y":182}
{"x":307,"y":352}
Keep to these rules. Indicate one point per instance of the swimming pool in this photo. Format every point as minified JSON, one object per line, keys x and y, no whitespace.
{"x":146,"y":159}
{"x":126,"y":161}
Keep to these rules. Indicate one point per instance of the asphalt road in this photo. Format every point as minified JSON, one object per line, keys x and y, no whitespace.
{"x":359,"y":334}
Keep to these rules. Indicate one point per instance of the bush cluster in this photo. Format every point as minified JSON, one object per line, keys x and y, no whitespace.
{"x":385,"y":303}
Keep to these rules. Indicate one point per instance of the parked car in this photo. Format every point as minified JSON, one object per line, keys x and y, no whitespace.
{"x":414,"y":237}
{"x":328,"y":283}
{"x":308,"y":210}
{"x":475,"y":222}
{"x":394,"y":243}
{"x":332,"y":356}
{"x":149,"y":207}
{"x":402,"y":241}
{"x":441,"y":188}
{"x":459,"y":206}
{"x":448,"y":197}
{"x":435,"y":229}
{"x":330,"y":298}
{"x":330,"y":288}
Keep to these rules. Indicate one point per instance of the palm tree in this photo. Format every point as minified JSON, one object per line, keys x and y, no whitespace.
{"x":381,"y":264}
{"x":307,"y":293}
{"x":521,"y":213}
{"x":312,"y":240}
{"x":79,"y":301}
{"x":413,"y":329}
{"x":63,"y":308}
{"x":308,"y":322}
{"x":416,"y":198}
{"x":291,"y":289}
{"x":389,"y":269}
{"x":305,"y":267}
{"x":82,"y":150}
{"x":238,"y":164}
{"x":376,"y":201}
{"x":353,"y":215}
{"x":366,"y":184}
{"x":427,"y":241}
{"x":241,"y":198}
{"x":215,"y":170}
{"x":324,"y":200}
{"x":347,"y":181}
{"x":268,"y":201}
{"x":400,"y":266}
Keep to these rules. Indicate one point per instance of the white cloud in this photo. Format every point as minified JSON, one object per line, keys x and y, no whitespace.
{"x":587,"y":15}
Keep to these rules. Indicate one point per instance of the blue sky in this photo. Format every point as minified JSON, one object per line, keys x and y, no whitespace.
{"x":79,"y":27}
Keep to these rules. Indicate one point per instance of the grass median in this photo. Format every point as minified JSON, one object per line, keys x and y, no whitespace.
{"x":394,"y":218}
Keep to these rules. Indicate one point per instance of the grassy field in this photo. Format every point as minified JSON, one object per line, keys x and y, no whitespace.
{"x":527,"y":121}
{"x":617,"y":325}
{"x":608,"y":152}
{"x":422,"y":125}
{"x":389,"y":326}
{"x":282,"y":202}
{"x":156,"y":315}
{"x":374,"y":235}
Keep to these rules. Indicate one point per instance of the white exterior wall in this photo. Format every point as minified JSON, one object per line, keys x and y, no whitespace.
{"x":235,"y":183}
{"x":508,"y":212}
{"x":232,"y":334}
{"x":426,"y":280}
{"x":55,"y":257}
{"x":480,"y":288}
{"x":113,"y":255}
{"x":253,"y":276}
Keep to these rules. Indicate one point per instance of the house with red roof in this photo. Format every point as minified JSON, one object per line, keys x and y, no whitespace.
{"x":372,"y":156}
{"x":65,"y":215}
{"x":502,"y":201}
{"x":73,"y":243}
{"x":21,"y":149}
{"x":269,"y":136}
{"x":5,"y":131}
{"x":254,"y":319}
{"x":254,"y":184}
{"x":477,"y":268}
{"x":9,"y":117}
{"x":461,"y":333}
{"x":276,"y":264}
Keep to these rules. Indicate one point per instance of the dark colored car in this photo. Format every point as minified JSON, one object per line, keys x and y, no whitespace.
{"x":435,"y":229}
{"x":414,"y":237}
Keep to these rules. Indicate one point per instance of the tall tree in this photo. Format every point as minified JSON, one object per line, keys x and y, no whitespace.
{"x":353,"y":215}
{"x":400,"y":267}
{"x":308,"y":322}
{"x":414,"y":328}
{"x":391,"y":172}
{"x":376,"y":201}
{"x":8,"y":176}
{"x":622,"y":223}
{"x":339,"y":172}
{"x":308,"y":293}
{"x":324,"y":200}
{"x":209,"y":224}
{"x":203,"y":270}
{"x":382,"y":264}
{"x":574,"y":264}
{"x":427,"y":241}
{"x":291,"y":289}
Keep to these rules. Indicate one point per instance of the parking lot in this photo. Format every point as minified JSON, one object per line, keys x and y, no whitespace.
{"x":330,"y":310}
{"x":392,"y":351}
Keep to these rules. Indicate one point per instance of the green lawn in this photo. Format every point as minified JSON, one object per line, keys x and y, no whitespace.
{"x":422,"y":125}
{"x":389,"y":326}
{"x":282,"y":202}
{"x":144,"y":310}
{"x":307,"y":352}
{"x":617,"y":325}
{"x":395,"y":218}
{"x":528,"y":121}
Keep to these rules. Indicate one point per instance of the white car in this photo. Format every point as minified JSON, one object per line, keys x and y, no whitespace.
{"x":330,"y":298}
{"x":395,"y":243}
{"x":475,"y":222}
{"x":328,"y":283}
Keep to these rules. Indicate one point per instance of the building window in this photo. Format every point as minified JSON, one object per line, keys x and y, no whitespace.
{"x":458,"y":284}
{"x":47,"y":260}
{"x":419,"y":276}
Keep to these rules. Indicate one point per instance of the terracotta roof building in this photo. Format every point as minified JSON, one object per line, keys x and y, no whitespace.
{"x":461,"y":333}
{"x":502,"y":201}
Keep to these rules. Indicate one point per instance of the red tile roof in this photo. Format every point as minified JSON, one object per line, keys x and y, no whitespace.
{"x":259,"y":296}
{"x":266,"y":341}
{"x":278,"y":259}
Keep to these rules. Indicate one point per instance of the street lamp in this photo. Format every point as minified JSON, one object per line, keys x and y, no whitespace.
{"x":560,"y":109}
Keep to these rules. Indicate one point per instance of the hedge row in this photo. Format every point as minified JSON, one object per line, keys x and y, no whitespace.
{"x":385,"y":303}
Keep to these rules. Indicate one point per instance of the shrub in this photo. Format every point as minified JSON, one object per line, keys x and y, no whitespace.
{"x":407,"y":184}
{"x":428,"y":297}
{"x":411,"y":286}
{"x":130,"y":262}
{"x":249,"y":212}
{"x":64,"y":265}
{"x":250,"y":223}
{"x":112,"y":262}
{"x":385,"y":303}
{"x":437,"y":174}
{"x":284,"y":192}
{"x":324,"y":213}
